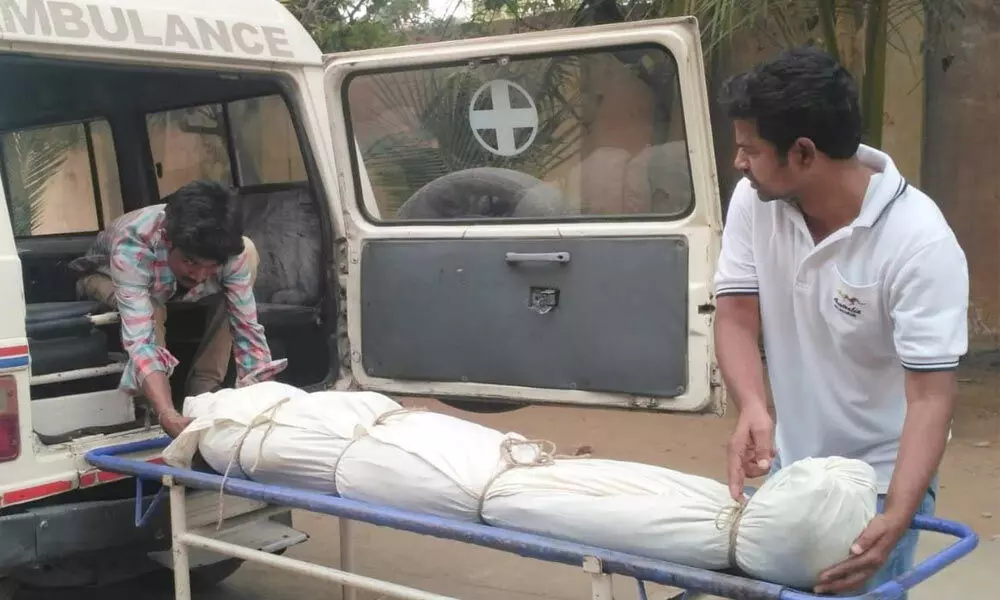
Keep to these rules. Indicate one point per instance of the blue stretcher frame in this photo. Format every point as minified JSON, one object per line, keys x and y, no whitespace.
{"x":526,"y":545}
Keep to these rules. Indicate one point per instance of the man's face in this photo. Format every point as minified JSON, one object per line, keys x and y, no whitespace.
{"x":190,"y":271}
{"x":772,"y":176}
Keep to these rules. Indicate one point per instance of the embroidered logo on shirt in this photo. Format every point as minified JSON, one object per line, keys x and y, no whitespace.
{"x":847,"y":304}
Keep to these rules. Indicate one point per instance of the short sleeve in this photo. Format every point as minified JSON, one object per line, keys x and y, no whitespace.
{"x":929,"y":302}
{"x":736,"y":272}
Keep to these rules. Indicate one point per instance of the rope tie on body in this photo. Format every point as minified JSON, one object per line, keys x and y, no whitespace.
{"x":730,"y":518}
{"x":256,"y":422}
{"x":544,"y":456}
{"x":270,"y":413}
{"x":361,"y":432}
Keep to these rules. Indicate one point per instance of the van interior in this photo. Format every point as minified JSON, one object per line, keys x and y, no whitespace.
{"x":85,"y":143}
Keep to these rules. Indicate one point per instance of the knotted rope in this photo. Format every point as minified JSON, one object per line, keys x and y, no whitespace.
{"x":730,"y":518}
{"x":270,"y":411}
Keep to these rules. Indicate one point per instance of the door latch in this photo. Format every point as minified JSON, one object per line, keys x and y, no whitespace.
{"x":543,"y":300}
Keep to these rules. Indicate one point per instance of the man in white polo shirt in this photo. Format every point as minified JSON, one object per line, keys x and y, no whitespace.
{"x":861,"y":290}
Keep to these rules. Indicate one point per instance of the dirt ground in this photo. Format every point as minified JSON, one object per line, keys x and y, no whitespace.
{"x":970,"y":474}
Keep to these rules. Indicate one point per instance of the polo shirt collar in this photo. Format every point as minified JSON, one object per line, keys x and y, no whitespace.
{"x":889,"y":187}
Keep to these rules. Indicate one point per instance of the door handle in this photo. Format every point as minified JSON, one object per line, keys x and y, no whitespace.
{"x":543,"y":257}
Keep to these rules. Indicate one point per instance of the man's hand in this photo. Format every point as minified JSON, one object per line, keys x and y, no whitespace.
{"x":868,"y":554}
{"x":264,"y":372}
{"x":173,"y":422}
{"x":751,"y":449}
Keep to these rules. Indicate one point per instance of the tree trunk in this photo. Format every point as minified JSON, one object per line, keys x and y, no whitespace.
{"x":828,"y":24}
{"x":873,"y":83}
{"x":849,"y":42}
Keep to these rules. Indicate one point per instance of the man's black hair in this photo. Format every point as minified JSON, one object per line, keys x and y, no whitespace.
{"x":203,"y":221}
{"x":803,"y":92}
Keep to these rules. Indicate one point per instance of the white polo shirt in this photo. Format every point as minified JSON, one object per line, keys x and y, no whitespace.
{"x":842,"y":319}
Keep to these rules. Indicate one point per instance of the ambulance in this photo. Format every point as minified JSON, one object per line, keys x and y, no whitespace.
{"x":494,"y":223}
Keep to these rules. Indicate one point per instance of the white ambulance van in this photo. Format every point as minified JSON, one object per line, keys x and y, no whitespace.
{"x":493,"y":222}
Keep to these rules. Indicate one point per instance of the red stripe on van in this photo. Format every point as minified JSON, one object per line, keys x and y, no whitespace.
{"x":35,"y":493}
{"x":99,"y":477}
{"x":7,"y":351}
{"x":58,"y":487}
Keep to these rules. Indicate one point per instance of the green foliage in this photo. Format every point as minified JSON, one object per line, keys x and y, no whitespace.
{"x":32,"y":158}
{"x":341,"y":25}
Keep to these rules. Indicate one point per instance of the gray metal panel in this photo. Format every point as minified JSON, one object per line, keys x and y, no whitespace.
{"x":52,"y":533}
{"x":455,"y":310}
{"x":17,"y":539}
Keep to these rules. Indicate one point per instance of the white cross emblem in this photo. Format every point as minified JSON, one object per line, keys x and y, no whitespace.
{"x":502,"y":118}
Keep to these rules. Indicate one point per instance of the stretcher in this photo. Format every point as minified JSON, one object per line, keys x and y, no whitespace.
{"x":597,"y":563}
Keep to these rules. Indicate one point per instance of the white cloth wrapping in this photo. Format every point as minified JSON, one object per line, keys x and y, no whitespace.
{"x":428,"y":463}
{"x":366,"y":447}
{"x":285,"y":436}
{"x":802,"y":520}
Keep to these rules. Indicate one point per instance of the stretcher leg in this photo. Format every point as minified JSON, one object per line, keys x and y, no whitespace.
{"x":602,"y":588}
{"x":601,"y":582}
{"x":347,"y":557}
{"x":178,"y":525}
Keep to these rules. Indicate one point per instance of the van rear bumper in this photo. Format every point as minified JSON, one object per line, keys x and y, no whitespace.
{"x":51,"y":533}
{"x":86,"y":543}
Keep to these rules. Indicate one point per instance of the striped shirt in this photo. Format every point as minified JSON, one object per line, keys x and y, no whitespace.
{"x":132,"y":251}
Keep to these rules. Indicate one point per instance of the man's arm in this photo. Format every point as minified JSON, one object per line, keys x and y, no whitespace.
{"x":737,"y":309}
{"x":250,"y":349}
{"x":930,"y":400}
{"x":928,"y":302}
{"x":930,"y":397}
{"x":737,"y":330}
{"x":149,"y":365}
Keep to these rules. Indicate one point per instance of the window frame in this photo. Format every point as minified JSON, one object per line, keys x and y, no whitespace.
{"x":151,"y":163}
{"x":357,"y":161}
{"x":85,"y":121}
{"x":235,"y":176}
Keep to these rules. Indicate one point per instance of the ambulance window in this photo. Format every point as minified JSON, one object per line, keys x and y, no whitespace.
{"x":266,"y":146}
{"x":189,"y":144}
{"x":597,"y":134}
{"x":61,"y":179}
{"x":106,"y":163}
{"x":194,"y":143}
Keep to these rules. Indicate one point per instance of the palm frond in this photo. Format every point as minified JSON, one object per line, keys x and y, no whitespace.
{"x":33,"y":157}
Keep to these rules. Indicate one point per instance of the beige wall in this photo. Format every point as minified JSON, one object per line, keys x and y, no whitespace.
{"x":903,"y":125}
{"x":961,"y":167}
{"x":68,"y":202}
{"x":904,"y":98}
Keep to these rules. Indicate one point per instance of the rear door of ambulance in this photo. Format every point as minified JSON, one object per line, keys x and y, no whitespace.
{"x":531,"y":218}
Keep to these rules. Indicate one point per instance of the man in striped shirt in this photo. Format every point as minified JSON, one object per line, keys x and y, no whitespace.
{"x":187,"y":249}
